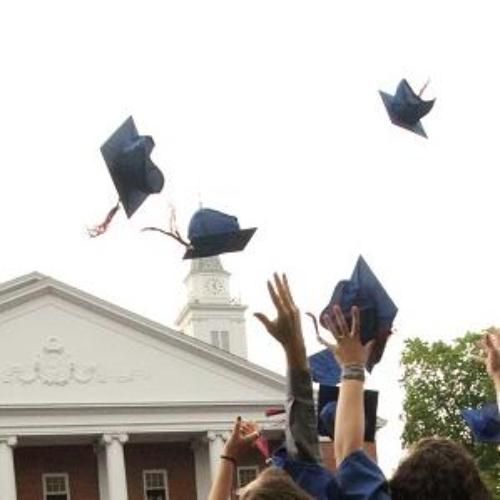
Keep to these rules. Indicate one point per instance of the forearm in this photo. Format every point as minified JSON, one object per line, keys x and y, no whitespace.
{"x":350,"y":419}
{"x":301,"y":428}
{"x":496,"y":381}
{"x":222,"y":486}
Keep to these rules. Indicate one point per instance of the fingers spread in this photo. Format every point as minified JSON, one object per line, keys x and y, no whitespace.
{"x":275,"y":297}
{"x":288,"y":291}
{"x":340,"y":320}
{"x":355,"y":327}
{"x":332,"y":327}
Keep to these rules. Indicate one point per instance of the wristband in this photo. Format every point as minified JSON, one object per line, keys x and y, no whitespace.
{"x":353,"y":372}
{"x":230,"y":459}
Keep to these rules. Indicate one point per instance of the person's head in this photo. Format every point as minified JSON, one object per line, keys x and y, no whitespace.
{"x":273,"y":484}
{"x":439,"y":469}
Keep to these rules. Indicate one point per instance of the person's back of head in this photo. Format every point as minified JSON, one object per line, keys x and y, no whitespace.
{"x":438,"y":469}
{"x":273,"y":484}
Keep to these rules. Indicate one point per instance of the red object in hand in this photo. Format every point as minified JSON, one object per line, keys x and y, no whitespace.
{"x":263,"y":446}
{"x":270,"y":412}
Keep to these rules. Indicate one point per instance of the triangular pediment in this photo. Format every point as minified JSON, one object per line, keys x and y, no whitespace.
{"x":59,"y":345}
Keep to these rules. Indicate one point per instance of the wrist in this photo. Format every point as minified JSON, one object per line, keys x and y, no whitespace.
{"x":296,"y":357}
{"x":226,"y":458}
{"x":353,"y":371}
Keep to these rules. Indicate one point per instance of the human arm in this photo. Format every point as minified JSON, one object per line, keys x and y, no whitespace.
{"x":242,"y":439}
{"x":491,"y":347}
{"x":301,"y":427}
{"x":351,"y":355}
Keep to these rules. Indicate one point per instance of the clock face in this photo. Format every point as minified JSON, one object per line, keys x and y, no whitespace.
{"x":214,"y":286}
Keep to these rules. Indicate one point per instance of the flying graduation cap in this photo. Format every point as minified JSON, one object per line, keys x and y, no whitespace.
{"x":327,"y":408}
{"x":210,"y":233}
{"x":324,"y":368}
{"x":135,"y":176}
{"x":406,"y":108}
{"x":484,"y":423}
{"x":377,"y":310}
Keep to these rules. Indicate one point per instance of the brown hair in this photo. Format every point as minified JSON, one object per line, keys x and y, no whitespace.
{"x":273,"y":484}
{"x":439,"y":469}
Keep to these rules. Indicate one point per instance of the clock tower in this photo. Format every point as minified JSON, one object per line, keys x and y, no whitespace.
{"x":211,"y":314}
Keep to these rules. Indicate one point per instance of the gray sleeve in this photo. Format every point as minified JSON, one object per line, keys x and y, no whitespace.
{"x":301,"y":427}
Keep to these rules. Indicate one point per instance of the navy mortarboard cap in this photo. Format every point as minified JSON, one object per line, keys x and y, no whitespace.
{"x":377,"y":310}
{"x":212,"y":233}
{"x":406,"y":108}
{"x":127,"y":155}
{"x":312,"y":477}
{"x":327,"y":408}
{"x":484,"y":423}
{"x":324,"y":368}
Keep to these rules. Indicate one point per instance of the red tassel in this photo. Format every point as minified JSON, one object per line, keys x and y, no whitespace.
{"x":263,"y":446}
{"x":102,"y":228}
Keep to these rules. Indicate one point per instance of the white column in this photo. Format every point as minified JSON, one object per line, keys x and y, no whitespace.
{"x":7,"y":471}
{"x":115,"y":466}
{"x":202,"y":467}
{"x":216,"y":441}
{"x":102,"y":472}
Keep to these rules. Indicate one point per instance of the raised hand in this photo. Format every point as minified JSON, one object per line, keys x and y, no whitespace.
{"x":348,"y":350}
{"x":243,"y":437}
{"x":286,"y":328}
{"x":491,"y":348}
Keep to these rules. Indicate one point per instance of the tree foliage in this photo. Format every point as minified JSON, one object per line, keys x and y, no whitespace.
{"x":440,"y":380}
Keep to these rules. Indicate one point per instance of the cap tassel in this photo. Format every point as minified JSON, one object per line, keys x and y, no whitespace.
{"x":175,"y":235}
{"x":174,"y":232}
{"x":422,"y":90}
{"x":319,"y":338}
{"x":103,"y":227}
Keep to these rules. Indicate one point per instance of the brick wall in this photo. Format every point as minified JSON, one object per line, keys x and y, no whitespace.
{"x":176,"y":458}
{"x":79,"y":462}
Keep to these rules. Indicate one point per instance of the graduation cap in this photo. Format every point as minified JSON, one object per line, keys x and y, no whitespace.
{"x":211,"y":233}
{"x":484,"y":423}
{"x":406,"y":108}
{"x":377,"y":310}
{"x":327,"y":408}
{"x":324,"y":368}
{"x":312,"y":477}
{"x":135,"y":176}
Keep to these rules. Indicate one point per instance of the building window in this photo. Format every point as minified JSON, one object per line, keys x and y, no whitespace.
{"x":246,"y":474}
{"x":220,"y":339}
{"x":55,"y":486}
{"x":155,"y":485}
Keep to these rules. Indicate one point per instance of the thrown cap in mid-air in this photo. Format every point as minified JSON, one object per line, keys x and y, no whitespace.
{"x":210,"y":233}
{"x":377,"y":309}
{"x":127,"y":155}
{"x":406,"y":108}
{"x":324,"y":368}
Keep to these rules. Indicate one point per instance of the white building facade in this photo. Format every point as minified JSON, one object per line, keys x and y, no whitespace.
{"x":97,"y":403}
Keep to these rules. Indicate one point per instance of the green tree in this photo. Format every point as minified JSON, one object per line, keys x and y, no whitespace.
{"x":440,"y":380}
